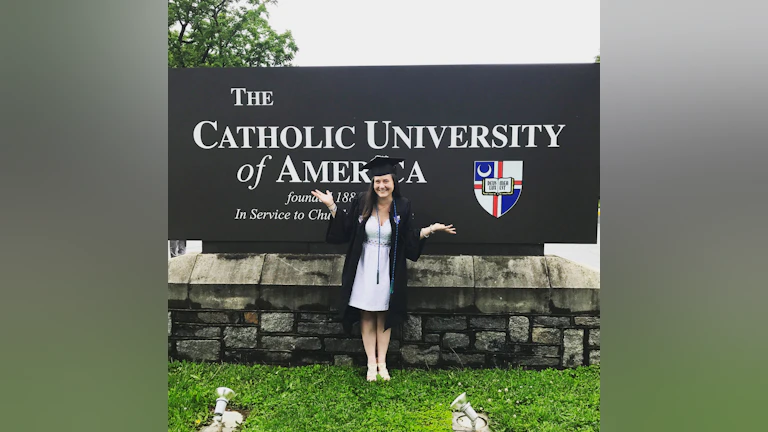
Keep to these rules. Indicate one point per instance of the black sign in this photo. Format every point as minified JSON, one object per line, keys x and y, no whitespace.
{"x":508,"y":154}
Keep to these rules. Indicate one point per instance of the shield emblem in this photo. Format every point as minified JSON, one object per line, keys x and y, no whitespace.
{"x":498,"y":185}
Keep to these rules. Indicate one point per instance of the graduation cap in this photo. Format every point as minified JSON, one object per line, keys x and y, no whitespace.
{"x":382,"y":165}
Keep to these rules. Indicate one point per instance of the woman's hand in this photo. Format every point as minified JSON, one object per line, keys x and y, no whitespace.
{"x":440,"y":227}
{"x":326,"y":198}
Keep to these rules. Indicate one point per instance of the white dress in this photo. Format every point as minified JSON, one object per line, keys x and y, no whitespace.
{"x":366,"y":294}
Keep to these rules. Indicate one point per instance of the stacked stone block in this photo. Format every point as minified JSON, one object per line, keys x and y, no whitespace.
{"x":424,"y":340}
{"x":464,"y":312}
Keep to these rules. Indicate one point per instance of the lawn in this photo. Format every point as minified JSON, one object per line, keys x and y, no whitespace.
{"x":335,"y":398}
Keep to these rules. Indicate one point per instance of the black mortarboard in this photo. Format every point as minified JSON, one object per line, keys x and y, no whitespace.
{"x":382,"y":165}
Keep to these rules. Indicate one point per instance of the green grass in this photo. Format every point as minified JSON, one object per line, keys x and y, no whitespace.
{"x":333,"y":398}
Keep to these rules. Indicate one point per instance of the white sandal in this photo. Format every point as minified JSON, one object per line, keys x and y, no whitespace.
{"x":371,"y":375}
{"x":383,"y":371}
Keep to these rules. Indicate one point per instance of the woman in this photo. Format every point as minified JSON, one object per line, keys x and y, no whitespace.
{"x":374,"y":278}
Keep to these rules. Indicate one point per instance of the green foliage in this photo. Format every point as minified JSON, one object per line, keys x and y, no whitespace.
{"x":331,"y":398}
{"x":597,"y":58}
{"x":225,"y":33}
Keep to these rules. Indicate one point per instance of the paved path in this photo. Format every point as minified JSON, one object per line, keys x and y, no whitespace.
{"x":584,"y":254}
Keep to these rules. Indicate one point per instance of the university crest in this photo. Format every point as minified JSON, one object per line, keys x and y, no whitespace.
{"x":498,"y":185}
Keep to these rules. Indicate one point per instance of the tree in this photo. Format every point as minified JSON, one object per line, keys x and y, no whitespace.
{"x":597,"y":58}
{"x":225,"y":33}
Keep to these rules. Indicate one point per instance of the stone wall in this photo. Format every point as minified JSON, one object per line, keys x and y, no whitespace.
{"x":466,"y":311}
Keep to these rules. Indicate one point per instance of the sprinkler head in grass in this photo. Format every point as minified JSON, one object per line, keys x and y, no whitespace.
{"x":462,"y":404}
{"x":224,"y":395}
{"x":470,"y":416}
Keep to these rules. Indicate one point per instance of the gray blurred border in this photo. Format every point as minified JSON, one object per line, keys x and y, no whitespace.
{"x":83,"y":166}
{"x":84,"y":216}
{"x":683,"y":98}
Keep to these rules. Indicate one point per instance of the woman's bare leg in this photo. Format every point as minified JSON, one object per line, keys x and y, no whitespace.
{"x":382,"y":343}
{"x":368,"y":331}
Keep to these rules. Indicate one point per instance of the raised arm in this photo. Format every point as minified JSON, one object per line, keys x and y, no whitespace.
{"x":341,"y":226}
{"x":327,"y":199}
{"x":436,"y":227}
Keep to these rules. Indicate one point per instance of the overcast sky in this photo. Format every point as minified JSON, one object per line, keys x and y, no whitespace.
{"x":403,"y":32}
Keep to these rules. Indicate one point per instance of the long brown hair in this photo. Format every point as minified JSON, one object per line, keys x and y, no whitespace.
{"x":371,"y":198}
